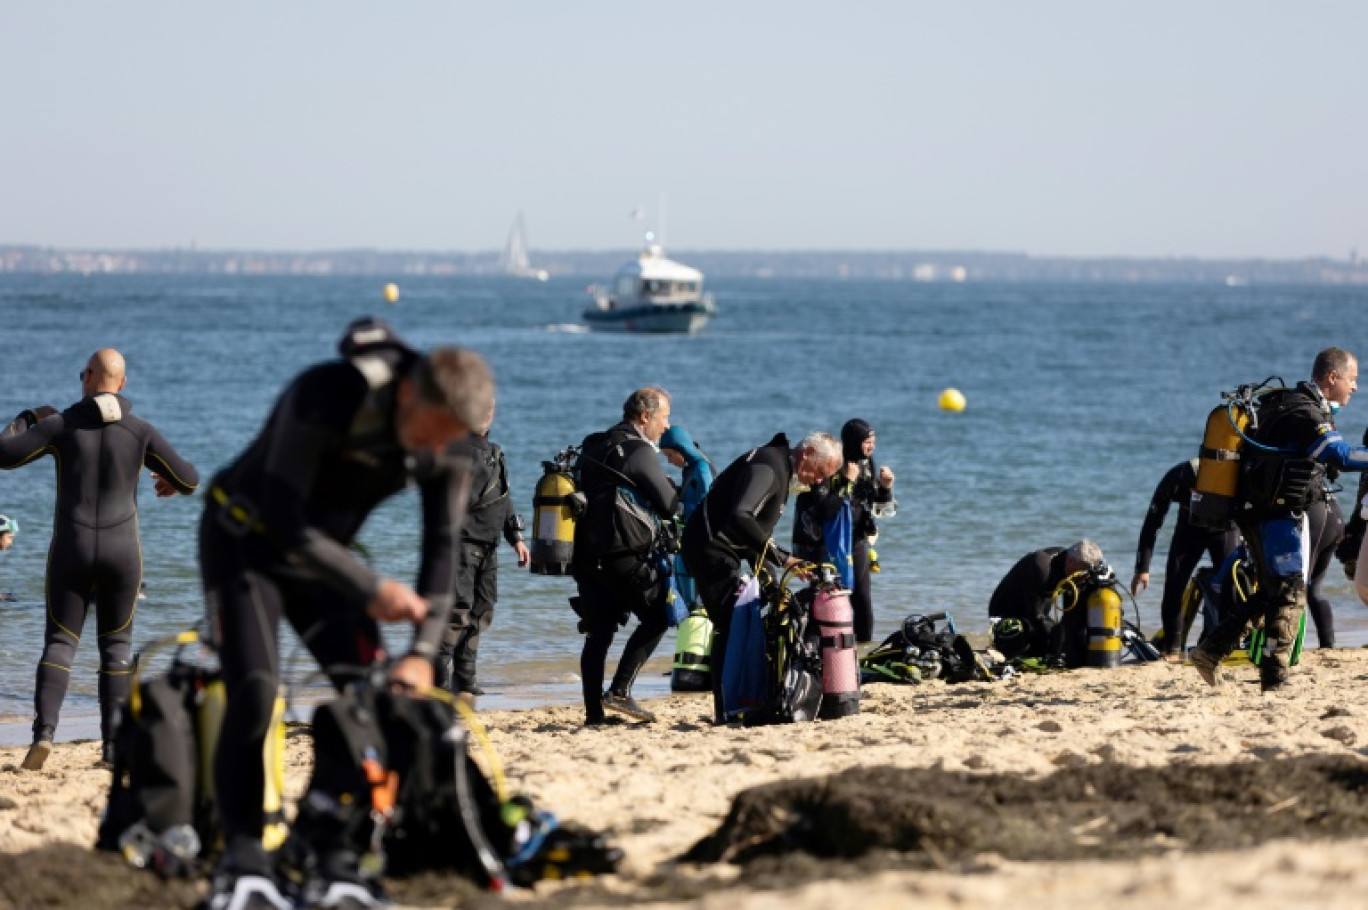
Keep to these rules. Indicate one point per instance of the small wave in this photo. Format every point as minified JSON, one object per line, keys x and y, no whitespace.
{"x":569,"y":328}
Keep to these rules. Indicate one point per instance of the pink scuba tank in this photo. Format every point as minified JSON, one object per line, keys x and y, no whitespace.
{"x":835,"y":619}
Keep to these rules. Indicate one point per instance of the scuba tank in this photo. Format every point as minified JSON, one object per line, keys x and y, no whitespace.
{"x":835,"y":618}
{"x":556,"y":505}
{"x":1215,"y":495}
{"x":1104,"y":628}
{"x":693,"y":654}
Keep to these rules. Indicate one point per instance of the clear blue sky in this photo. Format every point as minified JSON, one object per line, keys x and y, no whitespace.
{"x":1084,"y":128}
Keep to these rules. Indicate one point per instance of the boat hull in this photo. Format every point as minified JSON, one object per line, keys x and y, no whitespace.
{"x":653,"y":318}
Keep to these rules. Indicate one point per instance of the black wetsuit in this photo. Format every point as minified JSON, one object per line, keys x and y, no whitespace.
{"x":1026,"y":593}
{"x":490,"y":515}
{"x":1185,"y":549}
{"x":733,"y":526}
{"x":100,"y":449}
{"x":274,"y":541}
{"x":614,"y":586}
{"x":1325,"y":530}
{"x":814,"y":507}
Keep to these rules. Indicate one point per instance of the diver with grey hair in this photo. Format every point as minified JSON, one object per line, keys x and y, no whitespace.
{"x":732,"y":529}
{"x":619,"y":566}
{"x":1026,"y":594}
{"x":344,"y":436}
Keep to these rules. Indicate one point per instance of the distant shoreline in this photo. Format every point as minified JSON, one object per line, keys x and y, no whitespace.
{"x":924,"y":266}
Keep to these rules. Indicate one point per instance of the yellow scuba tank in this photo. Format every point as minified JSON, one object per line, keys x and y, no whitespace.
{"x":556,"y":505}
{"x":1104,"y":628}
{"x":693,"y":654}
{"x":1213,"y":501}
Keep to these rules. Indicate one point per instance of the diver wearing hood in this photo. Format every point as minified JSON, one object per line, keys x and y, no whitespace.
{"x":869,"y":489}
{"x":100,"y":448}
{"x":679,"y":450}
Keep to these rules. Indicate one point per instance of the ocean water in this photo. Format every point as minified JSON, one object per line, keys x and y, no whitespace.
{"x":1080,"y":397}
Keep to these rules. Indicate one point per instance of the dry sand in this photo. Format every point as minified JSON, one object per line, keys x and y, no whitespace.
{"x":661,"y":787}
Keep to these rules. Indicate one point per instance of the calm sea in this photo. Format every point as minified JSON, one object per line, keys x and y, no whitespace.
{"x":1079,"y":398}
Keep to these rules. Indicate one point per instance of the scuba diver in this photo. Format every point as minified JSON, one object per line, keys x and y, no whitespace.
{"x":1283,"y":463}
{"x":344,"y":436}
{"x":1186,"y":547}
{"x":619,"y":565}
{"x":679,"y":450}
{"x":99,"y":448}
{"x":489,"y":515}
{"x":869,"y":490}
{"x":1023,"y":600}
{"x":734,"y":525}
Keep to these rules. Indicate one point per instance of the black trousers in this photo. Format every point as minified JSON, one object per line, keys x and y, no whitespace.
{"x":247,"y":590}
{"x":862,"y":594}
{"x":609,"y":595}
{"x":477,"y":588}
{"x":86,"y":566}
{"x":1186,"y":548}
{"x":1326,"y":531}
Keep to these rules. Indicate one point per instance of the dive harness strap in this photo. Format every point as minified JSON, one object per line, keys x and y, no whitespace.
{"x":1219,"y":454}
{"x":237,"y":516}
{"x":684,"y":657}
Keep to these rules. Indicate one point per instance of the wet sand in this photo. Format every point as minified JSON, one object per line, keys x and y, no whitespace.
{"x":663,"y":787}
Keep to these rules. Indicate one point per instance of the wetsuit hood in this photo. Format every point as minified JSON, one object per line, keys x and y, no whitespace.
{"x":853,"y":435}
{"x":678,"y":438}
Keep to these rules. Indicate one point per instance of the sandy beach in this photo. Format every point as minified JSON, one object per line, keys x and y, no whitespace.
{"x":661,"y":788}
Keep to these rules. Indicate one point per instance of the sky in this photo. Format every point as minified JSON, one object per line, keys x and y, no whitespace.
{"x":1158,"y":128}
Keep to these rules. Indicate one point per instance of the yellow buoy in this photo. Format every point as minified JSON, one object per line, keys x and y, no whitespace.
{"x":392,"y":293}
{"x":951,"y":400}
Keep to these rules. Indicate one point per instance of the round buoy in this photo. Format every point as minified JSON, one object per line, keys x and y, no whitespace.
{"x":951,"y":400}
{"x":392,"y":293}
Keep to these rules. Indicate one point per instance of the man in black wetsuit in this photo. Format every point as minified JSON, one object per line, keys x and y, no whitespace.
{"x":734,"y":525}
{"x":99,"y":448}
{"x":343,"y":436}
{"x":489,"y":516}
{"x":1026,"y":593}
{"x":1185,"y":550}
{"x":619,"y":567}
{"x":1283,"y":469}
{"x":869,"y":489}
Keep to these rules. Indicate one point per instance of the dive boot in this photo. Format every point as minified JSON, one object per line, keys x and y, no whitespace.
{"x":626,"y":704}
{"x":1208,"y":665}
{"x":40,"y":750}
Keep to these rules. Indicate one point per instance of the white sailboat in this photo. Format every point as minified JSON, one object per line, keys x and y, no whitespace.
{"x":514,"y":261}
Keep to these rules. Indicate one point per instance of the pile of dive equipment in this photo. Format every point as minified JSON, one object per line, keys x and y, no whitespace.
{"x":1220,"y":493}
{"x":412,"y":799}
{"x":1085,"y":627}
{"x":791,"y":654}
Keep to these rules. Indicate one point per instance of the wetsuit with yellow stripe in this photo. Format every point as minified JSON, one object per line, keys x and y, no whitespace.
{"x":100,"y":448}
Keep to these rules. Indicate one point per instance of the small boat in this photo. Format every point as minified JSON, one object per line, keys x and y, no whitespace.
{"x":651,"y":294}
{"x":514,"y":261}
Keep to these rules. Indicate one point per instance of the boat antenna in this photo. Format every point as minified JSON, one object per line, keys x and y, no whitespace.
{"x":662,"y":220}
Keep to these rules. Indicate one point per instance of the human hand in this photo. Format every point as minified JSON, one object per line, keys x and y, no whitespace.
{"x":886,"y":477}
{"x":163,"y":487}
{"x":396,"y":602}
{"x":411,"y":675}
{"x":852,"y":470}
{"x":1139,"y":583}
{"x":524,"y":555}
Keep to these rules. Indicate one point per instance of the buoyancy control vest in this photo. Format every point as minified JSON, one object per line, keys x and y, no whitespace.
{"x":1275,"y":475}
{"x":619,"y":520}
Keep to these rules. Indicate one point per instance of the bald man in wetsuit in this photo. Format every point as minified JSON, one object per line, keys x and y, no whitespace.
{"x":100,"y":448}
